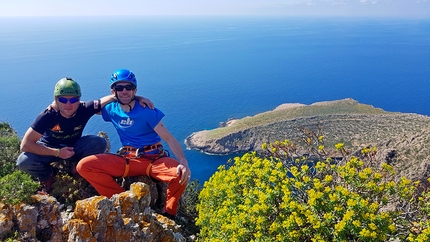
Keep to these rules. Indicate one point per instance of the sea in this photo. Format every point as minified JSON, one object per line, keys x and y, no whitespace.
{"x":202,"y":71}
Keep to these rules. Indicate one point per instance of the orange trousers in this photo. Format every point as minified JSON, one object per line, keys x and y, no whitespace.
{"x":101,"y":169}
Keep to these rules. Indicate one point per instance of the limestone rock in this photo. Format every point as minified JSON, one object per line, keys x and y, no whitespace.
{"x":124,"y":217}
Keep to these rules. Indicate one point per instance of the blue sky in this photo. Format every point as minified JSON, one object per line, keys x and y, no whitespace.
{"x":391,"y":8}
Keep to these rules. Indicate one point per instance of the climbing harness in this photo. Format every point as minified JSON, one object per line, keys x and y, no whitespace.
{"x":130,"y":153}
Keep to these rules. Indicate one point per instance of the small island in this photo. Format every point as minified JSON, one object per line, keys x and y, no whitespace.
{"x":342,"y":121}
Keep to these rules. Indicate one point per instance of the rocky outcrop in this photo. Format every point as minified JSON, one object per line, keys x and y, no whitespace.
{"x":124,"y":217}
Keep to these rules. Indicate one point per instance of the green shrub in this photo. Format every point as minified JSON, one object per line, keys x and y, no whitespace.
{"x":284,"y":197}
{"x":17,"y":187}
{"x":190,"y":198}
{"x":9,"y":149}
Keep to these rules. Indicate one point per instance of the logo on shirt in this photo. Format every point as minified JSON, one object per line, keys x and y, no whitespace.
{"x":57,"y":128}
{"x":125,"y":123}
{"x":77,"y":128}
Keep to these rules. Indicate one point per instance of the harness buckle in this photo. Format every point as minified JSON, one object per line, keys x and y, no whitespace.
{"x":138,"y":152}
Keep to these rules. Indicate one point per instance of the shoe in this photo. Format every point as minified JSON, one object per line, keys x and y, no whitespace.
{"x":47,"y":185}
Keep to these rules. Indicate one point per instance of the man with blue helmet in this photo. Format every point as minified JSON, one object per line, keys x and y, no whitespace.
{"x":141,"y":131}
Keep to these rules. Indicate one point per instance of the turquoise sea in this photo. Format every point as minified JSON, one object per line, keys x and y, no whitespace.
{"x":201,"y":71}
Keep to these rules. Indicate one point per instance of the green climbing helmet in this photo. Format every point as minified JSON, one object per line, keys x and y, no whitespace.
{"x":67,"y":87}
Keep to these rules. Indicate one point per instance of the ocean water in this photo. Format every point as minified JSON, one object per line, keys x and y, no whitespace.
{"x":203,"y":71}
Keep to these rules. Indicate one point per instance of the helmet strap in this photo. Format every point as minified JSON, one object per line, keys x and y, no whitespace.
{"x":116,"y":95}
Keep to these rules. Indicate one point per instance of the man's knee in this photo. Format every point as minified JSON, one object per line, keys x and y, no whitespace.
{"x":23,"y":161}
{"x":99,"y":143}
{"x":91,"y":145}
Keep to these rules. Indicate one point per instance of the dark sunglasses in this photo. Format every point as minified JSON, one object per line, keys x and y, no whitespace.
{"x":127,"y":87}
{"x":65,"y":100}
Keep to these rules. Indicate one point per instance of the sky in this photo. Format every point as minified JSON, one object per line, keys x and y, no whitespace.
{"x":384,"y":8}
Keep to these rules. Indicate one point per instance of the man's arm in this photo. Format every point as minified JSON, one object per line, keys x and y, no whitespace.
{"x":110,"y":98}
{"x":106,"y":100}
{"x":28,"y":144}
{"x":183,"y":169}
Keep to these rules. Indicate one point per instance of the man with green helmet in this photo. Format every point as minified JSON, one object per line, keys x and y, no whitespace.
{"x":56,"y":134}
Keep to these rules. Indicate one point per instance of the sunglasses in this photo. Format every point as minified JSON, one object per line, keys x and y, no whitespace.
{"x":127,"y":87}
{"x":65,"y":100}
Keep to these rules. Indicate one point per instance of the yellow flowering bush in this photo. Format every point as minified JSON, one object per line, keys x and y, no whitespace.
{"x":280,"y":196}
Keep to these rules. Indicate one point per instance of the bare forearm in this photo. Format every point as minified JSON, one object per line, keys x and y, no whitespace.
{"x":176,"y":149}
{"x":39,"y":149}
{"x":106,"y":100}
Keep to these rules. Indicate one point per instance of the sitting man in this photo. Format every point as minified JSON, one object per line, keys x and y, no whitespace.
{"x":56,"y":134}
{"x":140,"y":130}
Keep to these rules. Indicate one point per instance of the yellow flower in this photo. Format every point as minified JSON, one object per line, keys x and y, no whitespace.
{"x":305,"y":168}
{"x":377,"y":175}
{"x":339,"y":146}
{"x":294,"y":171}
{"x":316,"y":225}
{"x":365,"y":233}
{"x":372,"y":226}
{"x":339,"y":226}
{"x":348,"y":215}
{"x":351,"y":202}
{"x":319,"y":165}
{"x":294,"y":234}
{"x":362,"y":175}
{"x":351,"y":171}
{"x":368,"y":170}
{"x":299,"y":221}
{"x":306,"y":179}
{"x":298,"y":184}
{"x":328,"y":178}
{"x":373,"y":207}
{"x":328,"y":216}
{"x":356,"y":223}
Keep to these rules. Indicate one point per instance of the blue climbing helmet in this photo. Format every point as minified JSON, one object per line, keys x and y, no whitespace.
{"x":122,"y":75}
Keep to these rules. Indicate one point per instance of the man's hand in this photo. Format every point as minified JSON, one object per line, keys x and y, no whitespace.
{"x":53,"y":106}
{"x":184,"y":172}
{"x":66,"y":152}
{"x":145,"y":102}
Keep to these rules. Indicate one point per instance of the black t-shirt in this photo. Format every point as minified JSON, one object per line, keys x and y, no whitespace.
{"x":58,"y":131}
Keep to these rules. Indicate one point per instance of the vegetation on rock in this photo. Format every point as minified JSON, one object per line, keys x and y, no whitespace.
{"x":278,"y":195}
{"x":18,"y":187}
